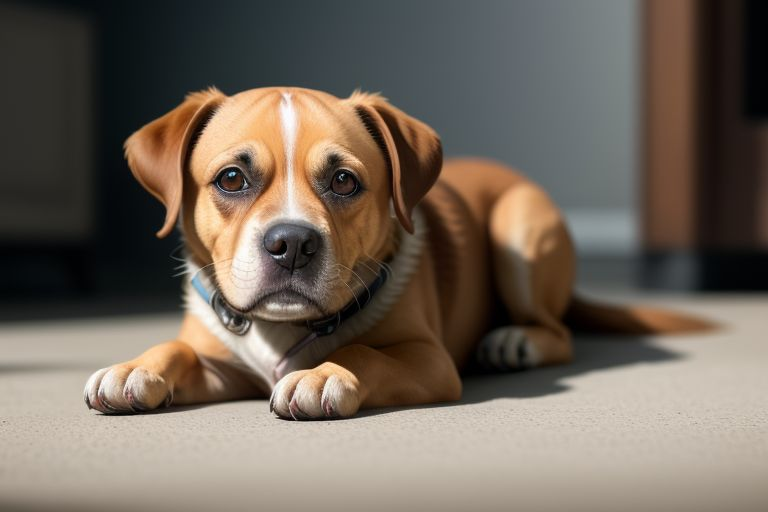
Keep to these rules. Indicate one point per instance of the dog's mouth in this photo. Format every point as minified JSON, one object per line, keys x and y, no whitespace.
{"x":283,"y":305}
{"x":294,"y":299}
{"x":287,"y":305}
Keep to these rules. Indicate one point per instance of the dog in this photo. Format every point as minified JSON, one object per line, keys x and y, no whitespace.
{"x":335,"y":262}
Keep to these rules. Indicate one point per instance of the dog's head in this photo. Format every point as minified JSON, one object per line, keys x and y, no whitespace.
{"x":286,"y":192}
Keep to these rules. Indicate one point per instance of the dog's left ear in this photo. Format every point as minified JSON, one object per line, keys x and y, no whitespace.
{"x":157,"y":153}
{"x":411,"y":148}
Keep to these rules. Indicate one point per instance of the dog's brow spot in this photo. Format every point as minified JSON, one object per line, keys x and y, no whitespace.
{"x":333,"y":159}
{"x":245,"y":158}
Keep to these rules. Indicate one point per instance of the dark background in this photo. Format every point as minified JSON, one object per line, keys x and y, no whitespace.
{"x":468,"y":70}
{"x":550,"y":87}
{"x":756,"y":57}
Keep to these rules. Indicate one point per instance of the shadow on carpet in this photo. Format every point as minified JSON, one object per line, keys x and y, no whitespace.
{"x":591,"y":354}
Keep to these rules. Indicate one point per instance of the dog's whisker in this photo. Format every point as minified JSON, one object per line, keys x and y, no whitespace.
{"x":176,"y":250}
{"x":372,"y":271}
{"x":209,"y":265}
{"x":182,"y":269}
{"x":244,"y":270}
{"x":382,"y":265}
{"x":351,"y":291}
{"x":368,"y":291}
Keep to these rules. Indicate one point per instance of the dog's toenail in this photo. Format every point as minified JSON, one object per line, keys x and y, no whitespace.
{"x":328,"y":408}
{"x":105,"y":404}
{"x":296,"y":411}
{"x":133,"y":403}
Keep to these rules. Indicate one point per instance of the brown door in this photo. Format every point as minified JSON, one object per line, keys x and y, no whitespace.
{"x":705,"y":153}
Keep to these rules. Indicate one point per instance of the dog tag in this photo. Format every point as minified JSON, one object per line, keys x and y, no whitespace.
{"x":233,"y":321}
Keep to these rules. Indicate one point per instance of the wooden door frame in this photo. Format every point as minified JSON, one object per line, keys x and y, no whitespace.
{"x":704,"y":162}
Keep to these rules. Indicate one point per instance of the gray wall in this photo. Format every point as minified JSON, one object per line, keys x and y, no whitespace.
{"x":545,"y":85}
{"x":548,"y":86}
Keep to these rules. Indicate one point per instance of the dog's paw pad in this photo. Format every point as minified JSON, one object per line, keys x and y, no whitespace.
{"x":123,"y":389}
{"x":506,"y":348}
{"x":327,"y":391}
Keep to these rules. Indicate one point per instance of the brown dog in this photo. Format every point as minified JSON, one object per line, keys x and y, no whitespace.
{"x":315,"y":276}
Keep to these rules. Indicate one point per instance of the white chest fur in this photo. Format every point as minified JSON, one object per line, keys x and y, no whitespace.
{"x":266,"y":343}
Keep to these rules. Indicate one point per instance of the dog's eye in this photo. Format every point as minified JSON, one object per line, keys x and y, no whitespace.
{"x":344,"y":183}
{"x":231,"y":179}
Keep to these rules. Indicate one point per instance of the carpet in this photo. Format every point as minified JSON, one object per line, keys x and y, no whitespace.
{"x":664,"y":423}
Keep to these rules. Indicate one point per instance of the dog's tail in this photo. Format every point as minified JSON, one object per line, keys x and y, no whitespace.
{"x":593,"y":317}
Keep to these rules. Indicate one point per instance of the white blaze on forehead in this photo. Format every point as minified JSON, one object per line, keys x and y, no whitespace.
{"x":289,"y":121}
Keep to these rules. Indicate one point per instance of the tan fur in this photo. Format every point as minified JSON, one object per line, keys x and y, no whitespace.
{"x":495,"y":277}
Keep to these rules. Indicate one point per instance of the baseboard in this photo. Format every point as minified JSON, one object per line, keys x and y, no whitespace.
{"x":705,"y":270}
{"x":604,"y":231}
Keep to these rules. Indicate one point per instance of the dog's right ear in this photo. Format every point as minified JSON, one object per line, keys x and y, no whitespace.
{"x":158,"y":152}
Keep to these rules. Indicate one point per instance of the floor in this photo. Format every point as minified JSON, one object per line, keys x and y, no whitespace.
{"x":633,"y":424}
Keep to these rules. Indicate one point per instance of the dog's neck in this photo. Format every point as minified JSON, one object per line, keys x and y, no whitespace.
{"x":272,"y":349}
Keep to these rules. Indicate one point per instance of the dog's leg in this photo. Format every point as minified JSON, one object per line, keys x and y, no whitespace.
{"x":171,"y":372}
{"x":519,"y":348}
{"x":361,"y":376}
{"x":534,"y":266}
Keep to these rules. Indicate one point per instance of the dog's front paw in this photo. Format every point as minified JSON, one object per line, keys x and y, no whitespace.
{"x":328,"y":391}
{"x":126,"y":388}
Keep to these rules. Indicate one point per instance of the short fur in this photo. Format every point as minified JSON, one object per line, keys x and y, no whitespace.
{"x":480,"y":262}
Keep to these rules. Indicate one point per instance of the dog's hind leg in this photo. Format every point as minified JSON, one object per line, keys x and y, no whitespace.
{"x":534,"y":267}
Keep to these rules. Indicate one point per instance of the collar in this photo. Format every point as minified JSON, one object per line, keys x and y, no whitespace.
{"x":237,"y":323}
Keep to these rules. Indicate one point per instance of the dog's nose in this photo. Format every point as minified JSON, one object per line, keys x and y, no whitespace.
{"x":291,"y":245}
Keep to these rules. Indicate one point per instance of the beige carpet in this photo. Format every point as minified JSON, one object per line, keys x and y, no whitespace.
{"x":644,"y":424}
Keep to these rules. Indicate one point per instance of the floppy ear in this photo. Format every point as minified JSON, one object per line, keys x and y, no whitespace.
{"x":411,"y":148}
{"x":158,"y":152}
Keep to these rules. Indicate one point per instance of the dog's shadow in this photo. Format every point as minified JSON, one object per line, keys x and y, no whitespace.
{"x":592,"y":354}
